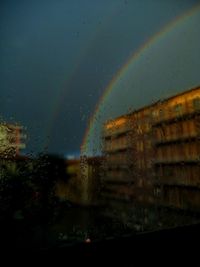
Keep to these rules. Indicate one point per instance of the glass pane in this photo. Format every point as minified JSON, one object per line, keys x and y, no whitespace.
{"x":99,"y":120}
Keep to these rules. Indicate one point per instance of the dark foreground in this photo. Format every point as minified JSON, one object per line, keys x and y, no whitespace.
{"x":160,"y":247}
{"x":81,"y":235}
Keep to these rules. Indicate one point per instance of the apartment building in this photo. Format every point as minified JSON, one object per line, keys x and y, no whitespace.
{"x":176,"y":128}
{"x":12,"y":140}
{"x":152,"y":155}
{"x":128,"y":153}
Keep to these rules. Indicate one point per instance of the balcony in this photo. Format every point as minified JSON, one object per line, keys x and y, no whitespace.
{"x":176,"y":112}
{"x":176,"y":139}
{"x":117,"y":145}
{"x":121,"y":176}
{"x":177,"y":181}
{"x":173,"y":161}
{"x":177,"y":131}
{"x":115,"y":129}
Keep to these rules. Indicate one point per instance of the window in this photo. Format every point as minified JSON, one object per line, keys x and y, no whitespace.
{"x":157,"y":191}
{"x":148,"y":144}
{"x":155,"y":113}
{"x":140,"y":146}
{"x":196,"y":103}
{"x":178,"y":109}
{"x":85,"y":93}
{"x":139,"y":129}
{"x":162,"y":113}
{"x":147,"y":127}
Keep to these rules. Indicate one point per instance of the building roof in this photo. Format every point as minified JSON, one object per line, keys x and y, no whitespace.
{"x":154,"y":104}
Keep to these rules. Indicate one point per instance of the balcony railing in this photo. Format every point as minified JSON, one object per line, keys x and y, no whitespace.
{"x":169,"y":114}
{"x":117,"y":145}
{"x":116,"y":130}
{"x":178,"y":181}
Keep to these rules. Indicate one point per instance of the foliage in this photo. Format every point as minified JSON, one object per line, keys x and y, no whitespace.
{"x":27,"y":187}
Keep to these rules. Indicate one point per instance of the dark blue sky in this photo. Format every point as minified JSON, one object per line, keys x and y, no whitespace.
{"x":57,"y":58}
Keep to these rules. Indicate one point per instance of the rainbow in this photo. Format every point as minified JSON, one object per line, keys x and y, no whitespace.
{"x":125,"y":68}
{"x":61,"y":95}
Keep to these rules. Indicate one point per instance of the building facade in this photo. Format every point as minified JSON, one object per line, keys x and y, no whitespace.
{"x":83,"y":183}
{"x":176,"y":128}
{"x":12,"y":140}
{"x":152,"y":155}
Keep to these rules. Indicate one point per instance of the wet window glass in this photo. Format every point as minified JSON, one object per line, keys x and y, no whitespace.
{"x":99,"y":120}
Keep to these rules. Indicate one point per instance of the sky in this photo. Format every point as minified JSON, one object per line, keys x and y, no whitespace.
{"x":57,"y":57}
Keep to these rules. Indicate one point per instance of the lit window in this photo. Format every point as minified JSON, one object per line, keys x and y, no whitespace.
{"x":155,"y":113}
{"x":139,"y":129}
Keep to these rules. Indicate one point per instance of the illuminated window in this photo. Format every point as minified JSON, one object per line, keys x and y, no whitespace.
{"x":155,"y":113}
{"x":139,"y":129}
